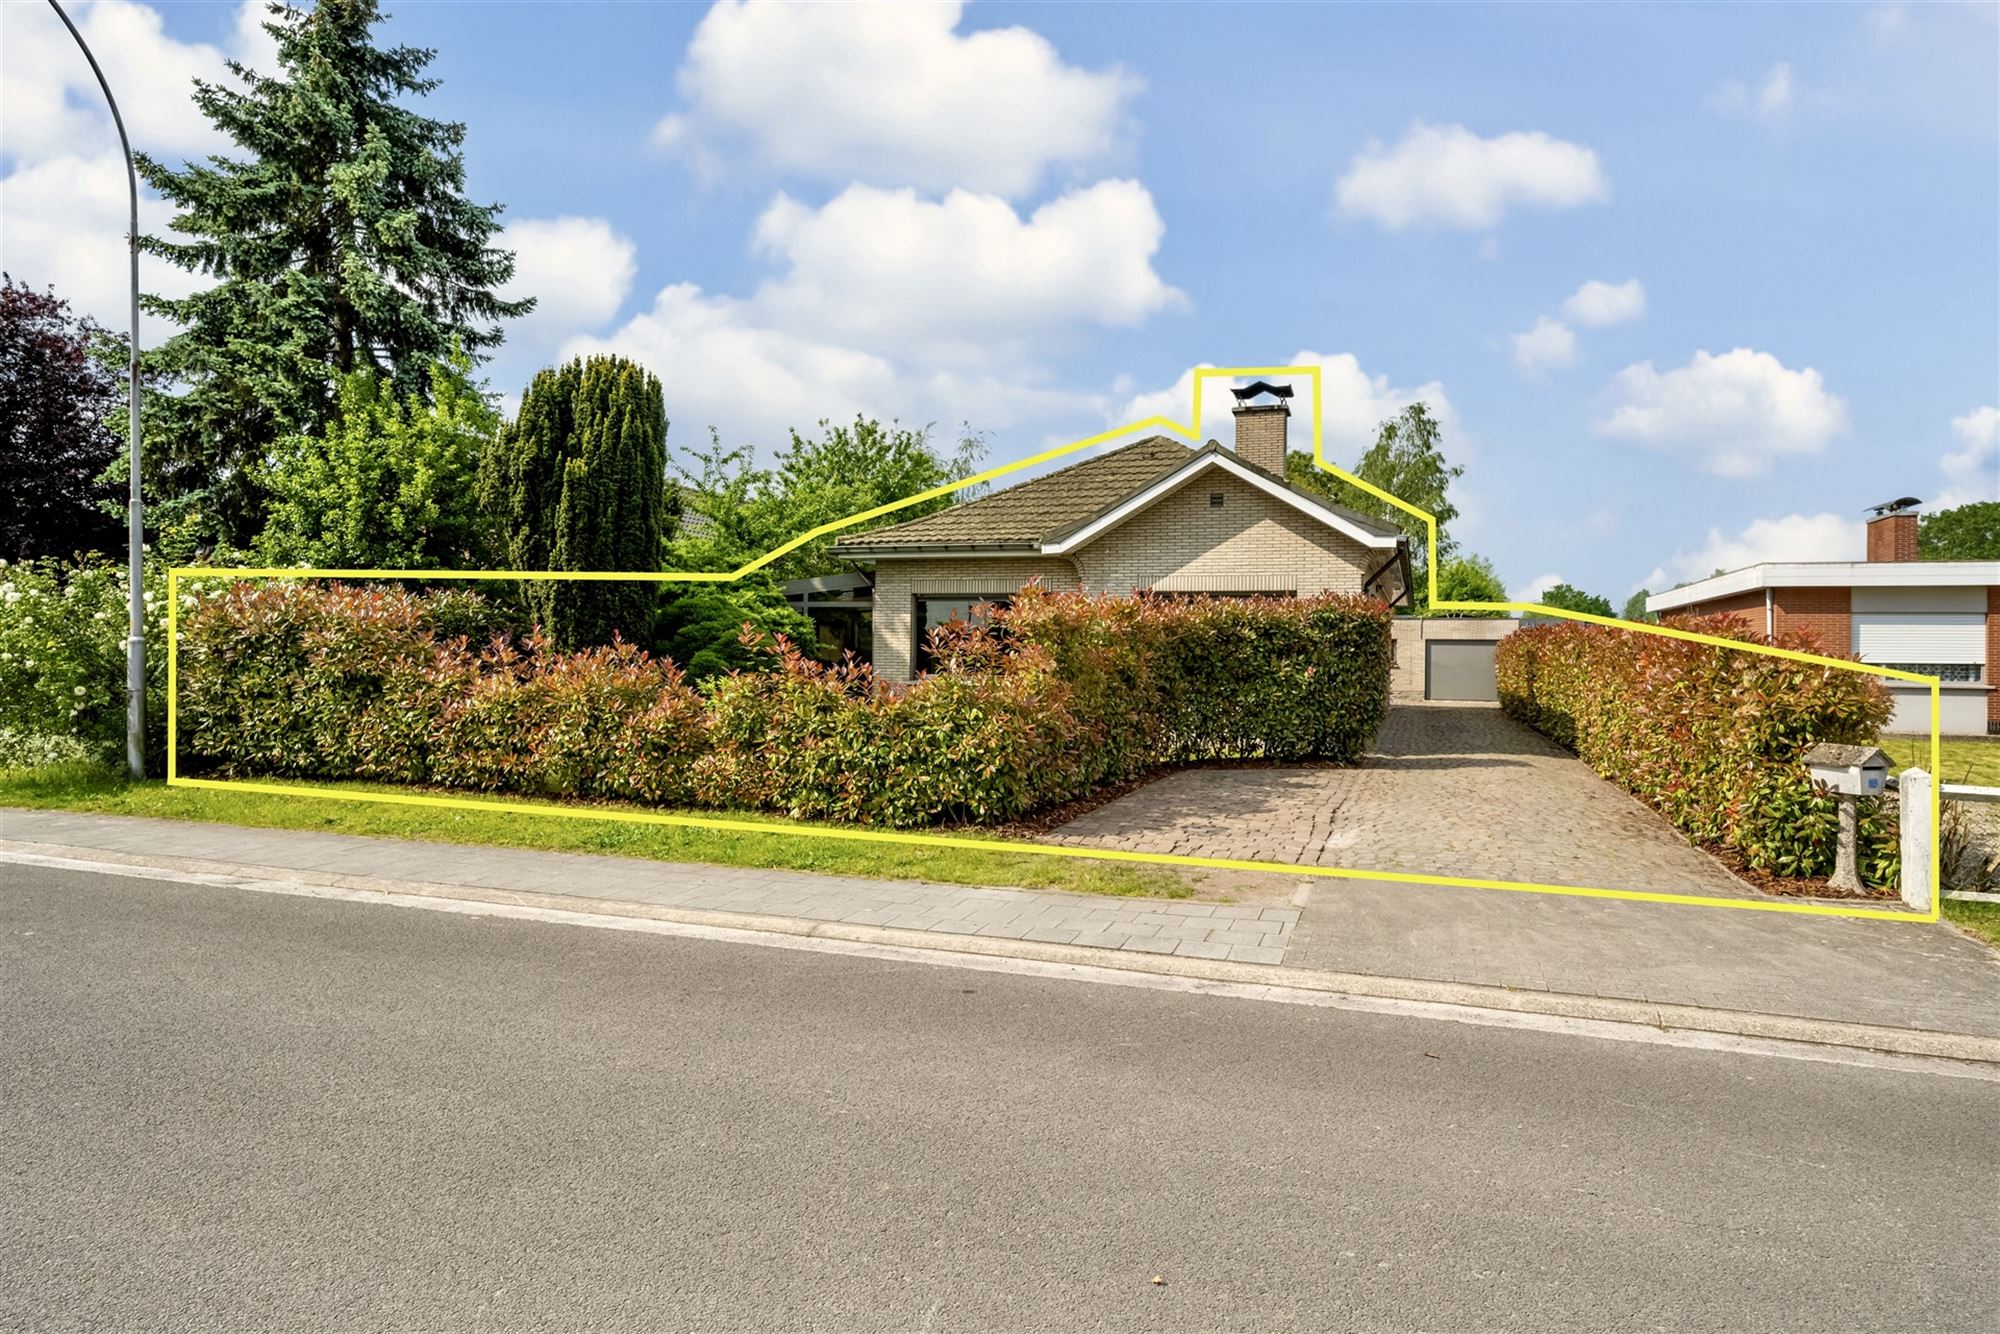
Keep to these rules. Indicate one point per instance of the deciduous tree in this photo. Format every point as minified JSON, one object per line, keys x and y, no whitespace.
{"x":1965,"y":532}
{"x":1407,"y":462}
{"x":54,"y":444}
{"x":1570,"y":598}
{"x":390,"y":484}
{"x":1468,"y":578}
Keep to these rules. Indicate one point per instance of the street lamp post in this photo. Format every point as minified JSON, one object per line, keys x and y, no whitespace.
{"x":135,"y":643}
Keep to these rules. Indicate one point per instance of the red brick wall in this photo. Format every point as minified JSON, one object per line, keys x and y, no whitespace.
{"x":1992,"y":673}
{"x":1747,"y":608}
{"x":1893,"y":537}
{"x":1823,"y":613}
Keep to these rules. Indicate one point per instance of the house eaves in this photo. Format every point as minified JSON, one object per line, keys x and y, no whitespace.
{"x":1829,"y":574}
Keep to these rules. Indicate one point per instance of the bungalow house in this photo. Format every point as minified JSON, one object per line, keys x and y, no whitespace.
{"x":1152,"y":516}
{"x":1937,"y":617}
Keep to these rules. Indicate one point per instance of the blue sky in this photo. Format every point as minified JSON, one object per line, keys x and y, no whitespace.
{"x":1037,"y":218}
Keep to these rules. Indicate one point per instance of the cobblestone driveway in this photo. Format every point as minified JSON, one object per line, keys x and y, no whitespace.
{"x":1452,"y":789}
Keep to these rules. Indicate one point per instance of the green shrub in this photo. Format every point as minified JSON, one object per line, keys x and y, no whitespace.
{"x":1068,"y":692}
{"x":609,"y":722}
{"x":1713,"y":738}
{"x":305,"y":680}
{"x":44,"y":750}
{"x":62,"y":657}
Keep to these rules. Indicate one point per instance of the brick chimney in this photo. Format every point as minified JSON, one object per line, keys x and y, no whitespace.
{"x":1261,"y":428}
{"x":1892,"y":533}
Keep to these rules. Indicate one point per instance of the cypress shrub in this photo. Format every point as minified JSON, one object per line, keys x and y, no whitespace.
{"x":578,"y":482}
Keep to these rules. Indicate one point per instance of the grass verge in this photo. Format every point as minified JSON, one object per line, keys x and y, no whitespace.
{"x":98,"y":792}
{"x":1962,"y":759}
{"x":1979,"y":919}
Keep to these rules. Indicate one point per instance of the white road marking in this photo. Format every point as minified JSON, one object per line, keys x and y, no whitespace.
{"x":944,"y":958}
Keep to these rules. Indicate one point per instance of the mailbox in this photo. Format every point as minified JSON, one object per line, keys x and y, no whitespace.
{"x":1852,"y":771}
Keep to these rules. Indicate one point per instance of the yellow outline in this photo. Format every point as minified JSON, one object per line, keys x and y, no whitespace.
{"x":1193,"y":432}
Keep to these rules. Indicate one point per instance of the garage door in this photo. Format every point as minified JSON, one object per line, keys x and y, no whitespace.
{"x":1459,"y":669}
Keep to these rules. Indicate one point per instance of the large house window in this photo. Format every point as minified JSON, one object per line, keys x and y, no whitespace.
{"x":935,"y":611}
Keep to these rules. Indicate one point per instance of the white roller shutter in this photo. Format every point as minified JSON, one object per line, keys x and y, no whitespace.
{"x":1882,"y":636}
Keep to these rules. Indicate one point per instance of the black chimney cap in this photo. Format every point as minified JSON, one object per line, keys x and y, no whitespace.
{"x":1250,"y":391}
{"x":1889,"y":507}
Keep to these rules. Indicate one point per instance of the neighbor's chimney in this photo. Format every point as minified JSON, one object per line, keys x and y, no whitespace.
{"x":1892,"y":533}
{"x":1261,"y":427}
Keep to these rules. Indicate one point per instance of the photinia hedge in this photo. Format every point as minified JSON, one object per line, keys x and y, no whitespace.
{"x":1713,"y":738}
{"x":1062,"y":693}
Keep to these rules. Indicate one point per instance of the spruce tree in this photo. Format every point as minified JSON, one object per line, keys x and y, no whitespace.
{"x":341,"y":240}
{"x":578,"y":482}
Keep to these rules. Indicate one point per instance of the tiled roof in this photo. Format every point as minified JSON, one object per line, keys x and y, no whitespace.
{"x":1045,"y":508}
{"x":1024,"y":515}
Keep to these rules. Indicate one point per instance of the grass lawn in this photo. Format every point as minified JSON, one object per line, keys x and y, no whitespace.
{"x":78,"y":789}
{"x":1964,"y":759}
{"x":1979,"y":919}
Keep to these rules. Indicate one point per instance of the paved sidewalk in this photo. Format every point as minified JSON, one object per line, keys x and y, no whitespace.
{"x":1913,"y":976}
{"x":1241,"y":933}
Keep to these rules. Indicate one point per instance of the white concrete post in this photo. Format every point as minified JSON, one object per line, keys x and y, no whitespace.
{"x":1916,"y":801}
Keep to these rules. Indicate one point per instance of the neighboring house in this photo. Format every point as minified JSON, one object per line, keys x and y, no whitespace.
{"x":1153,"y":516}
{"x":1941,"y":618}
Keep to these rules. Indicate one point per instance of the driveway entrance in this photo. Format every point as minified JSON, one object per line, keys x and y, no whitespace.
{"x":1451,"y":789}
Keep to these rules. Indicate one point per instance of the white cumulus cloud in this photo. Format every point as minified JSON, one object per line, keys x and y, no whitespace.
{"x":1549,"y":345}
{"x":1357,"y":403}
{"x":959,"y":279}
{"x":50,"y":101}
{"x":1793,"y":537}
{"x":1448,"y":176}
{"x":1972,"y":472}
{"x":64,"y":220}
{"x":1597,"y":303}
{"x":1733,"y":413}
{"x":63,"y":194}
{"x":891,"y":95}
{"x":578,"y":270}
{"x":721,"y":365}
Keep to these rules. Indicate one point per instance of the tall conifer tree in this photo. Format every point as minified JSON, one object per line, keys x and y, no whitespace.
{"x":578,"y":482}
{"x":340,"y":240}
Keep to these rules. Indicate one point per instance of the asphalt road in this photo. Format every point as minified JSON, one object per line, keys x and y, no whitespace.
{"x":232,"y":1110}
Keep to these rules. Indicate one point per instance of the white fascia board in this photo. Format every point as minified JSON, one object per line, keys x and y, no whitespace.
{"x":1832,"y":574}
{"x":1194,"y":468}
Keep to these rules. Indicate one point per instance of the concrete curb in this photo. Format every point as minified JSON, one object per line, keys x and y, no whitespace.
{"x":1602,"y":1009}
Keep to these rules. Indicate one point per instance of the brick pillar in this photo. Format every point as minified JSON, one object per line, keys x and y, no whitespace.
{"x":1893,"y":537}
{"x":1260,"y":435}
{"x":1991,"y":675}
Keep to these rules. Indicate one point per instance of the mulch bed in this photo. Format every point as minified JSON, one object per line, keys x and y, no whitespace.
{"x":1794,"y":887}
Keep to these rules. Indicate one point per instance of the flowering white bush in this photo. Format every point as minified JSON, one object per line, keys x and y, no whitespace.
{"x":62,"y":661}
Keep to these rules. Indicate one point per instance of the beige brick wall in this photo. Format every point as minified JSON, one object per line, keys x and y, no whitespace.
{"x":899,"y":583}
{"x":1253,"y":543}
{"x":1409,"y":634}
